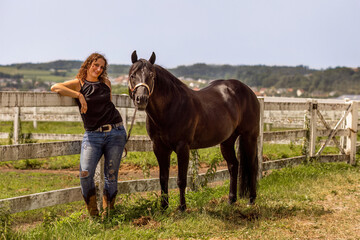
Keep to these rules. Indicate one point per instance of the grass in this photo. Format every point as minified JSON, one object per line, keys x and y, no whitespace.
{"x":288,"y":199}
{"x":51,"y":163}
{"x":313,"y":201}
{"x":144,"y":160}
{"x":46,"y":127}
{"x":40,"y":75}
{"x":15,"y":183}
{"x":43,"y":75}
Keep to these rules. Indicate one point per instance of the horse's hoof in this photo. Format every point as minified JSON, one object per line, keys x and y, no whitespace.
{"x":251,"y":202}
{"x":182,"y":208}
{"x":164,"y":203}
{"x":164,"y":206}
{"x":231,"y":200}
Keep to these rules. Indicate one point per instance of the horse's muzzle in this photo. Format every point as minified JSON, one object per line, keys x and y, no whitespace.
{"x":141,"y":97}
{"x":141,"y":101}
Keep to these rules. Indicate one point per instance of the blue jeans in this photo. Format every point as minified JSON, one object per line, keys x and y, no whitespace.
{"x":94,"y":145}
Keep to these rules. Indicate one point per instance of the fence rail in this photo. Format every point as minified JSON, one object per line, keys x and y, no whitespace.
{"x":310,"y":133}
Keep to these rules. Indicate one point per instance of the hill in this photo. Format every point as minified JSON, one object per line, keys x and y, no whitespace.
{"x":339,"y":80}
{"x":66,"y":65}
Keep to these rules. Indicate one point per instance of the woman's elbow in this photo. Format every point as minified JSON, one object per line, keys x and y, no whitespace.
{"x":55,"y":87}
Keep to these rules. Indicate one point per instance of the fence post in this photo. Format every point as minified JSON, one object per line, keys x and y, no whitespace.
{"x":35,"y":121}
{"x":16,"y":125}
{"x":312,"y":127}
{"x":260,"y":137}
{"x":343,"y":126}
{"x":305,"y":144}
{"x":193,"y":170}
{"x":124,"y":115}
{"x":351,"y":124}
{"x":99,"y":182}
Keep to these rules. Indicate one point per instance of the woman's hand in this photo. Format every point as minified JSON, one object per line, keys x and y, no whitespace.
{"x":83,"y":103}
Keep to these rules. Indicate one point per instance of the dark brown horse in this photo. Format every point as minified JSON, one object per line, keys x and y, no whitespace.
{"x":180,"y":119}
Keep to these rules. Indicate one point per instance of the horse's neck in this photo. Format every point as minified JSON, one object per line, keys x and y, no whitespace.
{"x":167,"y":86}
{"x":168,"y":91}
{"x":166,"y":79}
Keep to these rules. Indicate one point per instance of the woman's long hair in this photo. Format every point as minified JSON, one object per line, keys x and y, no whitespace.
{"x":82,"y":74}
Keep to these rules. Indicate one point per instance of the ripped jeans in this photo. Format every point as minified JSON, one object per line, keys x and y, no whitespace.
{"x":94,"y":145}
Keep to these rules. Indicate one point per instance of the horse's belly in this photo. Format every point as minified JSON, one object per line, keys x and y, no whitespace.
{"x":198,"y":145}
{"x":210,"y":139}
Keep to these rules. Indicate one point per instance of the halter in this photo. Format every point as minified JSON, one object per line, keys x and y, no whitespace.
{"x":133,"y":119}
{"x":132,"y":90}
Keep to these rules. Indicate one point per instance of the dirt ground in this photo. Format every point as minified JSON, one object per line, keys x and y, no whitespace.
{"x":126,"y":171}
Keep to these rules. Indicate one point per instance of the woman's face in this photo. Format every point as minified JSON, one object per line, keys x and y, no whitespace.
{"x":96,"y":68}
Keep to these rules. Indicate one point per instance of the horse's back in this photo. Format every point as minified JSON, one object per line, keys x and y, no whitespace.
{"x":226,"y":107}
{"x":232,"y":86}
{"x":230,"y":93}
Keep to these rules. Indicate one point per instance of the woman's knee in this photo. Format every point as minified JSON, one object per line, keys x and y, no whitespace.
{"x":84,"y":174}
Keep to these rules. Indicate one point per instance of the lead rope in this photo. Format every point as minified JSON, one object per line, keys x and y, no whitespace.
{"x":132,"y":124}
{"x":129,"y":132}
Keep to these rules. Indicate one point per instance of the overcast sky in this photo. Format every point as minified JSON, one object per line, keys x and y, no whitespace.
{"x":315,"y":33}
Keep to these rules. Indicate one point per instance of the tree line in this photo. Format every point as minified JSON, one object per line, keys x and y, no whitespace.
{"x":343,"y":80}
{"x":340,"y":79}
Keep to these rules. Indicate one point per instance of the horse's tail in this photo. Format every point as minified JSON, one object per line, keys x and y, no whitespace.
{"x":248,"y":167}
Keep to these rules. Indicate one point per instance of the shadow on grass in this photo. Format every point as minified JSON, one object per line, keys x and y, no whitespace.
{"x":147,"y":211}
{"x":240,"y":212}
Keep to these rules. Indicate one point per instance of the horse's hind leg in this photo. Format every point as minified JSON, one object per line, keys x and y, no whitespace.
{"x":248,"y":170}
{"x":228,"y":152}
{"x":163,"y":157}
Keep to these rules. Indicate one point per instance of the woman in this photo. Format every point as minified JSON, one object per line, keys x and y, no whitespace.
{"x":104,"y":131}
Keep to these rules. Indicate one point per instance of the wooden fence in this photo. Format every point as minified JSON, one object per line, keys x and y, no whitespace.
{"x":345,"y":127}
{"x":272,"y":119}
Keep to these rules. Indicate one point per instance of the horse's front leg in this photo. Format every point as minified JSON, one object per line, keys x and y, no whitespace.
{"x":163,"y":157}
{"x":182,"y":152}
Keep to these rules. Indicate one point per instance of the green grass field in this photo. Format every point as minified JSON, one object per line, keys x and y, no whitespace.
{"x":39,"y":75}
{"x":288,"y":200}
{"x":43,"y":75}
{"x":145,"y":160}
{"x":314,"y":201}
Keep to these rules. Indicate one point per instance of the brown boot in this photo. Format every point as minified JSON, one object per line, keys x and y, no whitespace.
{"x":107,"y":206}
{"x":92,"y":206}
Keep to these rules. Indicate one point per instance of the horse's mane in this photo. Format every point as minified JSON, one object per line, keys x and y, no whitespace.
{"x":167,"y":81}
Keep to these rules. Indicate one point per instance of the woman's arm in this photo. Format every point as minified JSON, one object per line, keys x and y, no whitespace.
{"x":71,"y":89}
{"x":108,"y":83}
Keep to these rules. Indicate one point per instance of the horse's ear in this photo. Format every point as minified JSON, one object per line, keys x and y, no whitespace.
{"x":152,"y":58}
{"x":134,"y":57}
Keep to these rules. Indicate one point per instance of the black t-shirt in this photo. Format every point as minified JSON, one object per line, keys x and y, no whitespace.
{"x":100,"y":110}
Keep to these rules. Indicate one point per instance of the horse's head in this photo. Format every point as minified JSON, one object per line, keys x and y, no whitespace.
{"x":141,"y":80}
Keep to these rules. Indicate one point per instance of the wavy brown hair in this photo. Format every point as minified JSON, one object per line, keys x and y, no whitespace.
{"x":82,"y":74}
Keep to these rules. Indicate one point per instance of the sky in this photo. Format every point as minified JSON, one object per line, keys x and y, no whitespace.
{"x":319,"y":34}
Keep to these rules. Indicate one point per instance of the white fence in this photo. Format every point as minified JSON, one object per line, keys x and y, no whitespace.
{"x":345,"y":127}
{"x":272,"y":119}
{"x":58,"y":114}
